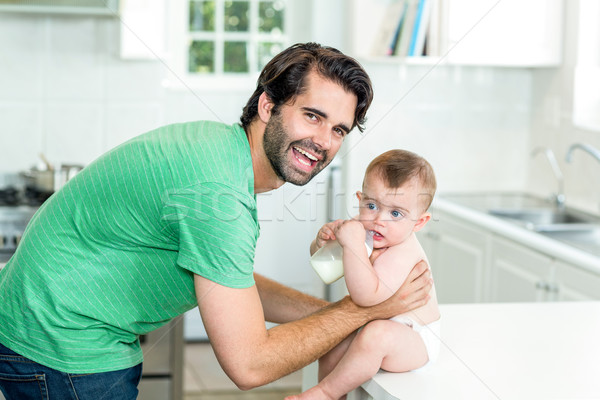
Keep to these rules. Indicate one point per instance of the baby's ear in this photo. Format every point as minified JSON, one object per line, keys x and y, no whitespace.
{"x":423,"y":219}
{"x":358,"y":194}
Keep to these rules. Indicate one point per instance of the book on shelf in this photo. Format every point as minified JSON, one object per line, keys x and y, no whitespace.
{"x":387,"y":28}
{"x":417,"y":40}
{"x":407,"y":26}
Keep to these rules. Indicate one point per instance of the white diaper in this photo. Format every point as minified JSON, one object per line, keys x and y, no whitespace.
{"x":430,"y":334}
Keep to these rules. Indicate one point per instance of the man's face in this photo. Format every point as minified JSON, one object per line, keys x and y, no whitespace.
{"x":302,"y":136}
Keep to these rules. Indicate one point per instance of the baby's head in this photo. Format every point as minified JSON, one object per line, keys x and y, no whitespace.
{"x":397,"y":168}
{"x":398,"y":188}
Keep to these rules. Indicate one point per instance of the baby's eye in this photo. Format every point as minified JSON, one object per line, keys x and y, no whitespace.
{"x":397,"y":214}
{"x":371,"y":206}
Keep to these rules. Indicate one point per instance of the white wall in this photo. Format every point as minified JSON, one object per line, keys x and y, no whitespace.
{"x":552,"y":126}
{"x":471,"y":123}
{"x":65,"y":92}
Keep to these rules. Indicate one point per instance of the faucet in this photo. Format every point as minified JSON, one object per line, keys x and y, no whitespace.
{"x":559,"y":198}
{"x":594,"y":152}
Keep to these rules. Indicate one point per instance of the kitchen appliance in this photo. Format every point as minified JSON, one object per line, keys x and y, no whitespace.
{"x":16,"y":209}
{"x":162,"y":373}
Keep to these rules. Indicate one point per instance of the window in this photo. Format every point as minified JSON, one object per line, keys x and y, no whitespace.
{"x":230,"y":38}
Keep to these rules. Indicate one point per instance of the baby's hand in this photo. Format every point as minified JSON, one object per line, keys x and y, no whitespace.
{"x":350,"y":233}
{"x":327,"y":232}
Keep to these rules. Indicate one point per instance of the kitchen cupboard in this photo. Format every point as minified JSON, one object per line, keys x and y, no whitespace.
{"x":575,"y":284}
{"x":471,"y":264}
{"x":518,"y":274}
{"x":465,"y":32}
{"x":456,"y":253}
{"x":88,"y":7}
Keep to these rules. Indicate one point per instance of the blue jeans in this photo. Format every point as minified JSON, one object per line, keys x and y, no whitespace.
{"x":23,"y":379}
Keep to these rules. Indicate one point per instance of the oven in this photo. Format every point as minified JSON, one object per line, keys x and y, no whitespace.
{"x":162,"y":373}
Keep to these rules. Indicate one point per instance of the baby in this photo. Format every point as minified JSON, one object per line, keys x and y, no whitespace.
{"x":398,"y":188}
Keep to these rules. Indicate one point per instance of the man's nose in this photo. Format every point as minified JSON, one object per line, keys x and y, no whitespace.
{"x":322,"y":138}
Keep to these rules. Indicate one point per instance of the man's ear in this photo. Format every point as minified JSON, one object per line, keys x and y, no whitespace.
{"x":265,"y":105}
{"x":423,"y":219}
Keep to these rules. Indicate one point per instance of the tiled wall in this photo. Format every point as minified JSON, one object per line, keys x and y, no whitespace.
{"x":552,"y":127}
{"x":65,"y":91}
{"x":471,"y":123}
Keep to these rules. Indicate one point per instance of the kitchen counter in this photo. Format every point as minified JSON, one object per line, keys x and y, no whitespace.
{"x":475,"y":214}
{"x":505,"y":351}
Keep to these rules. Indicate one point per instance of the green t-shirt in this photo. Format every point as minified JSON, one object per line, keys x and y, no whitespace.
{"x":112,"y":255}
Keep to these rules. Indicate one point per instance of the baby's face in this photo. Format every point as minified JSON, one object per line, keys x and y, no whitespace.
{"x":392,"y":214}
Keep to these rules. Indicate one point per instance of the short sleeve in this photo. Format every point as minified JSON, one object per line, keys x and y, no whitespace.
{"x":217,"y":230}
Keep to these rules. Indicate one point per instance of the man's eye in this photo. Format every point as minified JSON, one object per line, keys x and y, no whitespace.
{"x":311,"y":116}
{"x":340,"y":132}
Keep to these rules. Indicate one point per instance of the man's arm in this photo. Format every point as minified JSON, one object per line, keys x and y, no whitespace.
{"x":283,"y":304}
{"x":252,"y":356}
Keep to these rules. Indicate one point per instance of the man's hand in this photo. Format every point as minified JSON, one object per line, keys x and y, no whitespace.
{"x":413,"y":293}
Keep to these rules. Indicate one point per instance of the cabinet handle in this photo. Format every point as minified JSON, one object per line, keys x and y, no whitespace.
{"x":552,"y":287}
{"x":433,"y":236}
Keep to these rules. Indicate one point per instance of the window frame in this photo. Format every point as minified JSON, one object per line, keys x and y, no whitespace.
{"x":180,"y":38}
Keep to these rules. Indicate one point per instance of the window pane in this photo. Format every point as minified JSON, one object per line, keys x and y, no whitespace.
{"x":202,"y":15}
{"x":202,"y":55}
{"x":236,"y":59}
{"x":270,"y":16}
{"x":266,"y":51}
{"x":236,"y":16}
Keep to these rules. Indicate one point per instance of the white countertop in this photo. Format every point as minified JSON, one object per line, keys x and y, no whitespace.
{"x":553,"y":248}
{"x":506,"y":351}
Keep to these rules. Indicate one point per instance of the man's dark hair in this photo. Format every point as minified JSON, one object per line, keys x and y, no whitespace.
{"x":283,"y":78}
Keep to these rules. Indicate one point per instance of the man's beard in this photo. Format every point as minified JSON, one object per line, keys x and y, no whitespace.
{"x":276,"y":145}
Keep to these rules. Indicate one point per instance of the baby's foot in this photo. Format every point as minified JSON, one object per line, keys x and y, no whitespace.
{"x":314,"y":393}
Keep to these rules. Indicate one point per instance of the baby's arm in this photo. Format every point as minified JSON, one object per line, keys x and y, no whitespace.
{"x":326,"y":233}
{"x":367,"y":283}
{"x":363,"y":284}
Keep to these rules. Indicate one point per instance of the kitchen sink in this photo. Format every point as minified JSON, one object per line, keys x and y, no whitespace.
{"x":582,"y":236}
{"x":539,"y":216}
{"x":576,"y":228}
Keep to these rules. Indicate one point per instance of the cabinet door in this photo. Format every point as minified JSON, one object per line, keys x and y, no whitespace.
{"x":575,"y":284}
{"x":507,"y":32}
{"x":518,"y":274}
{"x":457,"y":253}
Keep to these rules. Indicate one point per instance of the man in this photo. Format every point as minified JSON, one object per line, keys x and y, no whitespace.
{"x":167,"y":221}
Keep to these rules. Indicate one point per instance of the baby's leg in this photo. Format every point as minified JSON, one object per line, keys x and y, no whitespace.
{"x":328,"y":362}
{"x":382,"y":343}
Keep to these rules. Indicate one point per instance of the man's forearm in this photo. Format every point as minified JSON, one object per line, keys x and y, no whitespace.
{"x":294,"y":345}
{"x":283,"y":304}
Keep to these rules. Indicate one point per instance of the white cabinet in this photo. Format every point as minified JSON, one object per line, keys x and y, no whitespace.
{"x":518,"y":274}
{"x":457,"y":253}
{"x":505,"y":33}
{"x":575,"y":284}
{"x":471,"y":264}
{"x":525,"y":33}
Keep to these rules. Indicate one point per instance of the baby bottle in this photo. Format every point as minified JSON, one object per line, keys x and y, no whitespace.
{"x":327,"y":261}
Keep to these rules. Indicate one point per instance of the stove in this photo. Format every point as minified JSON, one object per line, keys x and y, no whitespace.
{"x":18,"y":203}
{"x":13,"y":220}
